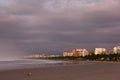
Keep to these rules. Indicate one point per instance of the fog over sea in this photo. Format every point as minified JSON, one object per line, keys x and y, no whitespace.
{"x":12,"y":64}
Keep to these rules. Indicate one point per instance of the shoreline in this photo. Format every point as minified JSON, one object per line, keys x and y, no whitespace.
{"x":63,"y":63}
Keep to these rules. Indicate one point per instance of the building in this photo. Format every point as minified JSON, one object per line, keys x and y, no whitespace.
{"x":81,"y":52}
{"x":68,"y":53}
{"x":116,"y":49}
{"x":109,"y":52}
{"x":100,"y":50}
{"x":76,"y":52}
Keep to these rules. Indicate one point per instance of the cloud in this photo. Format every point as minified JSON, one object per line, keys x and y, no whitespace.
{"x":38,"y":26}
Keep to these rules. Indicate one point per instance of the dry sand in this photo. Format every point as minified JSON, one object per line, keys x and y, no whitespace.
{"x":98,"y":71}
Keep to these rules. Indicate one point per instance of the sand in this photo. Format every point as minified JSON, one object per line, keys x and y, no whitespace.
{"x":97,"y":71}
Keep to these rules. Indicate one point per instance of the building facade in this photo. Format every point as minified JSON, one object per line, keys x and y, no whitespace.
{"x":76,"y":52}
{"x":68,"y":53}
{"x":100,"y":50}
{"x":116,"y":49}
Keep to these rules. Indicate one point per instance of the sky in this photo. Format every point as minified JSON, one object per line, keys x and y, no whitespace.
{"x":53,"y":26}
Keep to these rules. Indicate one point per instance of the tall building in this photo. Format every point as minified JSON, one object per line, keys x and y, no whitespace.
{"x":100,"y":50}
{"x":116,"y":49}
{"x":76,"y":52}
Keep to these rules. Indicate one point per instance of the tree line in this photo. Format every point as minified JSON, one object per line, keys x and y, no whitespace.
{"x":102,"y":57}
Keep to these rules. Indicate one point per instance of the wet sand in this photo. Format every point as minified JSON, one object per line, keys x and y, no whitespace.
{"x":97,"y":71}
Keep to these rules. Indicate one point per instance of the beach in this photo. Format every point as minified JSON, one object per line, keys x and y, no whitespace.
{"x":93,"y":71}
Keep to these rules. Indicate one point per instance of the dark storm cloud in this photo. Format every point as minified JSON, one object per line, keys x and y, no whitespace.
{"x":56,"y":25}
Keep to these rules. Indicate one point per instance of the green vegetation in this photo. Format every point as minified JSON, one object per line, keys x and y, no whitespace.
{"x":91,"y":57}
{"x":103,"y":57}
{"x":64,"y":58}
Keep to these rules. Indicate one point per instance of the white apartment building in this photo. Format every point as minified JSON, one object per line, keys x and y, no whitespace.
{"x":116,"y":49}
{"x":100,"y":50}
{"x":76,"y":52}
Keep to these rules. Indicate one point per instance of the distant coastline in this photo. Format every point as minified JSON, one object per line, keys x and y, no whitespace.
{"x":92,"y":57}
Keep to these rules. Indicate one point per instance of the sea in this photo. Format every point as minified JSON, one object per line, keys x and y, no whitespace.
{"x":13,"y":64}
{"x":27,"y":63}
